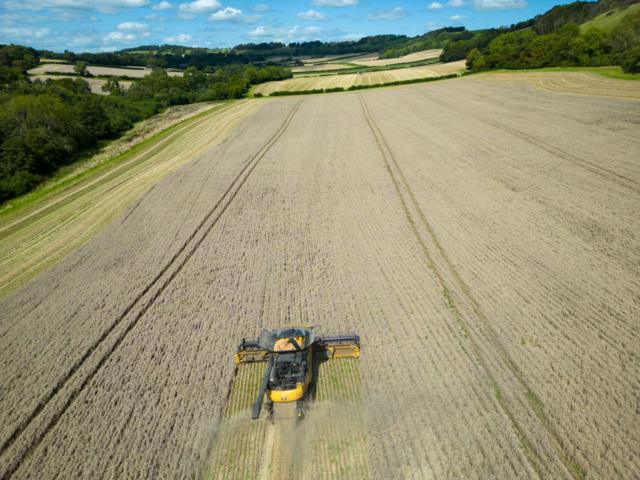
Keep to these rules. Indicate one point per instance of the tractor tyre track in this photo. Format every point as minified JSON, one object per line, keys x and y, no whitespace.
{"x":219,"y":207}
{"x":535,"y":406}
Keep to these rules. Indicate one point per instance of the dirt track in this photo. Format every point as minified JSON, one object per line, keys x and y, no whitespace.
{"x":482,"y":237}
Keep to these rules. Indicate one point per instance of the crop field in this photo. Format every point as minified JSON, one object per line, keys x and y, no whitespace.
{"x":411,"y":57}
{"x":367,"y":78}
{"x":321,"y":67}
{"x":589,"y":84}
{"x":481,"y":236}
{"x":334,"y":58}
{"x":98,"y":71}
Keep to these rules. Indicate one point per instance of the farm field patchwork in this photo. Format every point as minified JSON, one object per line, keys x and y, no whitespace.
{"x":367,"y":78}
{"x":481,"y":237}
{"x":411,"y":57}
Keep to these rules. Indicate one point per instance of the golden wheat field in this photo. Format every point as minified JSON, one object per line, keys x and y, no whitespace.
{"x":481,"y":236}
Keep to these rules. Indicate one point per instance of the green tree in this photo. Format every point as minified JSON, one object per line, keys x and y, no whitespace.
{"x":112,"y":86}
{"x":80,"y":68}
{"x":631,"y":60}
{"x":475,"y":60}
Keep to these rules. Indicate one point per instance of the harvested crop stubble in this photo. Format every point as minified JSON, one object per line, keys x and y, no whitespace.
{"x":367,"y":78}
{"x":481,"y":237}
{"x":411,"y":57}
{"x":570,"y":82}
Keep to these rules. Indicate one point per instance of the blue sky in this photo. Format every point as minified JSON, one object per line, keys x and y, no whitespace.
{"x":105,"y":25}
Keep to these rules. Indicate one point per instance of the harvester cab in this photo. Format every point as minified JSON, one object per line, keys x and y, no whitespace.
{"x":291,"y":354}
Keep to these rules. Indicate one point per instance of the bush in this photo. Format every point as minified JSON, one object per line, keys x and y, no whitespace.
{"x":631,"y":61}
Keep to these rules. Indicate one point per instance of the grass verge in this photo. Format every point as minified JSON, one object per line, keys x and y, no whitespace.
{"x":64,"y":179}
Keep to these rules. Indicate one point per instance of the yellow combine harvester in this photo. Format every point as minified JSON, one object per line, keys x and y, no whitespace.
{"x":292,"y":354}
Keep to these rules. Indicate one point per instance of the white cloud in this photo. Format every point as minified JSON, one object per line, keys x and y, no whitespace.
{"x":334,"y":3}
{"x":261,"y":7}
{"x":393,"y":14}
{"x":435,"y":6}
{"x":119,"y":37}
{"x":312,"y":15}
{"x":302,"y":33}
{"x":282,"y":34}
{"x":228,"y":13}
{"x":188,"y":10}
{"x":259,"y":32}
{"x":455,"y":18}
{"x":456,"y":3}
{"x":180,"y":38}
{"x":27,"y":33}
{"x":163,"y":6}
{"x":134,"y":26}
{"x":499,"y":4}
{"x":234,"y":15}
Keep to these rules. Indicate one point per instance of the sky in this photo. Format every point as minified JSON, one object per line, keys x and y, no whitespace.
{"x":107,"y":25}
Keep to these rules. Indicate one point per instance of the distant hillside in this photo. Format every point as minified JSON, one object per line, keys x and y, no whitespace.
{"x":555,"y":39}
{"x":576,"y":13}
{"x":176,"y":56}
{"x":611,"y":19}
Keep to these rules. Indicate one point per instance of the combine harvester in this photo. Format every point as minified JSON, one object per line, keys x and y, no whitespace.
{"x":292,"y":355}
{"x":286,"y":371}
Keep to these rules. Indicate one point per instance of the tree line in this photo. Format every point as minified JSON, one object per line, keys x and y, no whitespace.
{"x":549,"y":39}
{"x":567,"y":46}
{"x":179,"y":57}
{"x":46,"y":125}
